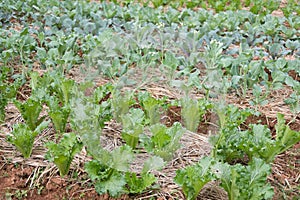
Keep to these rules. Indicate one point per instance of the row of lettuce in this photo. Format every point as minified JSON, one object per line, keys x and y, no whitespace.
{"x":240,"y":159}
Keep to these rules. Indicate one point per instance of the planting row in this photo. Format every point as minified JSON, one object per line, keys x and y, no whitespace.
{"x":240,"y":159}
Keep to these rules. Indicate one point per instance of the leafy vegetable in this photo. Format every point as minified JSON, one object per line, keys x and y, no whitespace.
{"x":30,"y":111}
{"x":63,"y":88}
{"x":23,"y":137}
{"x":60,"y":118}
{"x":257,"y":143}
{"x":230,"y":118}
{"x":285,"y":139}
{"x":132,"y":126}
{"x":259,"y":97}
{"x":87,"y":120}
{"x":135,"y":45}
{"x":192,"y":178}
{"x":107,"y":180}
{"x":120,"y":158}
{"x":151,"y":106}
{"x":164,"y":141}
{"x":120,"y":104}
{"x":137,"y":184}
{"x":62,"y":154}
{"x":294,"y":102}
{"x":192,"y":111}
{"x":108,"y":170}
{"x":244,"y":182}
{"x":153,"y":163}
{"x":58,"y":114}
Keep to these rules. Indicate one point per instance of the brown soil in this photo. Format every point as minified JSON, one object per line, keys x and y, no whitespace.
{"x":172,"y":116}
{"x":16,"y":183}
{"x":208,"y":125}
{"x":294,"y":75}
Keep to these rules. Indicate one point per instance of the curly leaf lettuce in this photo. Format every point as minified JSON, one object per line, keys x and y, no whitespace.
{"x":132,"y":126}
{"x":30,"y":111}
{"x":23,"y":137}
{"x":63,"y":153}
{"x":164,"y":141}
{"x":106,"y":179}
{"x":244,"y":182}
{"x":194,"y":177}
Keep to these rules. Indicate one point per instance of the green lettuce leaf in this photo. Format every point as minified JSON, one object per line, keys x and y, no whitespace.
{"x":62,"y":154}
{"x":194,"y":177}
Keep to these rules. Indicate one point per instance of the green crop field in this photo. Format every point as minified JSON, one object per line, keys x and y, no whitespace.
{"x":150,"y":99}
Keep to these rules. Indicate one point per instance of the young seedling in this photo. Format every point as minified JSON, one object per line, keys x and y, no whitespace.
{"x":58,"y":114}
{"x":244,"y":182}
{"x":285,"y":139}
{"x":63,"y":89}
{"x":138,"y":184}
{"x":259,"y":97}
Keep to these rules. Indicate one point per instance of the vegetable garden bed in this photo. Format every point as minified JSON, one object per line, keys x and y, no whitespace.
{"x":149,"y":100}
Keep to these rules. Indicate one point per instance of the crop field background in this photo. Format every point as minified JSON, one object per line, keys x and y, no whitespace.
{"x":150,"y":99}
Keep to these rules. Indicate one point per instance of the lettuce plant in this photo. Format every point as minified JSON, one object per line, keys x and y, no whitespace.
{"x":285,"y":139}
{"x":60,"y":118}
{"x":63,"y":88}
{"x":137,"y":184}
{"x":111,"y":174}
{"x":62,"y":154}
{"x":132,"y":126}
{"x":30,"y":111}
{"x":108,"y":168}
{"x":120,"y":104}
{"x":244,"y":182}
{"x":239,"y":181}
{"x":23,"y":137}
{"x":255,"y":143}
{"x":190,"y":113}
{"x":151,"y":106}
{"x":59,"y":114}
{"x":193,"y":178}
{"x":164,"y":141}
{"x":106,"y":179}
{"x":254,"y":148}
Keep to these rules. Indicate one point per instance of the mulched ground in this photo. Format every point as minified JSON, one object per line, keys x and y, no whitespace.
{"x":35,"y":178}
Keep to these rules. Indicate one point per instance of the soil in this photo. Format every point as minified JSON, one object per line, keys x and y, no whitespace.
{"x":16,"y":183}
